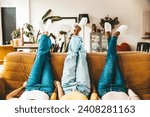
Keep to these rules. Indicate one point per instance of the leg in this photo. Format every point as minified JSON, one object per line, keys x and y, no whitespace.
{"x":47,"y":83}
{"x":105,"y":81}
{"x":36,"y":72}
{"x":108,"y":41}
{"x":108,"y":36}
{"x":82,"y":74}
{"x":68,"y":80}
{"x":111,"y":73}
{"x":119,"y":83}
{"x":44,"y":45}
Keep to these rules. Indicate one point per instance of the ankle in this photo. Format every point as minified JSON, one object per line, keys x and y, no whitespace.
{"x":107,"y":34}
{"x":117,"y":34}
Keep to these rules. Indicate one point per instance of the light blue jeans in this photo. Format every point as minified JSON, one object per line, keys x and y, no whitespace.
{"x":41,"y":77}
{"x":111,"y":78}
{"x":75,"y":73}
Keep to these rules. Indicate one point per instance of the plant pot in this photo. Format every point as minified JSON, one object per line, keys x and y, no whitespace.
{"x":16,"y":42}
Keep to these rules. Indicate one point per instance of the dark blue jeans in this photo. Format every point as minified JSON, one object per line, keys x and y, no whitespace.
{"x":41,"y":77}
{"x":111,"y":78}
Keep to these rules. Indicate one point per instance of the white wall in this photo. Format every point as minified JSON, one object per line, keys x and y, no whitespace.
{"x":5,"y":3}
{"x":22,"y":12}
{"x":128,"y":11}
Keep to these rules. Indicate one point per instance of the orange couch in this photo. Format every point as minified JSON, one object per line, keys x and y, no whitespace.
{"x":135,"y":67}
{"x":4,"y":49}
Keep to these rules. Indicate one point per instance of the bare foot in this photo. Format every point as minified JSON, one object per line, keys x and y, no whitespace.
{"x":58,"y":83}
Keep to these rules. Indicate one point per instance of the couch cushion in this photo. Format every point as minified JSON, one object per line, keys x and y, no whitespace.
{"x":96,"y":62}
{"x":136,"y":71}
{"x":4,"y":49}
{"x":16,"y":68}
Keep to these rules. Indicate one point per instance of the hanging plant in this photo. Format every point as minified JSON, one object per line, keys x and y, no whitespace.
{"x":53,"y":18}
{"x":113,"y":21}
{"x":46,"y":16}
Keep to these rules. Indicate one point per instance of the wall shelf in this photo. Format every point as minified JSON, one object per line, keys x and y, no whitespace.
{"x":97,"y":42}
{"x":145,"y":37}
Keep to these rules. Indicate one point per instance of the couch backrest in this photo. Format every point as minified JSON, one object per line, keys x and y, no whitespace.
{"x":134,"y":65}
{"x":136,"y":71}
{"x":4,"y":49}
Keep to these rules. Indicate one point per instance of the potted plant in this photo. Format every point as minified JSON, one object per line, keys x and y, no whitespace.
{"x":16,"y":35}
{"x":28,"y":31}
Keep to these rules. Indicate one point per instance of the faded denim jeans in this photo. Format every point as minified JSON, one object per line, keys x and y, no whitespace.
{"x":111,"y":78}
{"x":75,"y":73}
{"x":41,"y":77}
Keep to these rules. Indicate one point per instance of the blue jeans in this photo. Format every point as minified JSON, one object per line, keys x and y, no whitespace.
{"x":41,"y":77}
{"x":111,"y":78}
{"x":75,"y":73}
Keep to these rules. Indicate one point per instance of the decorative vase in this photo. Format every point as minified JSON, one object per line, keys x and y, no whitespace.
{"x":16,"y":42}
{"x":94,"y":28}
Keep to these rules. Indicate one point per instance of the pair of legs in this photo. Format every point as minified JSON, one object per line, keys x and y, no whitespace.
{"x":111,"y":78}
{"x":75,"y":73}
{"x":41,"y":77}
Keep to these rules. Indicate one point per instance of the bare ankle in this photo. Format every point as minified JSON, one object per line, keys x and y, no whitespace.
{"x":117,"y":34}
{"x":108,"y":34}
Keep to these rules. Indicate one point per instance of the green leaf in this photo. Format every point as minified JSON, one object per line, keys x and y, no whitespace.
{"x":53,"y":18}
{"x":46,"y":14}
